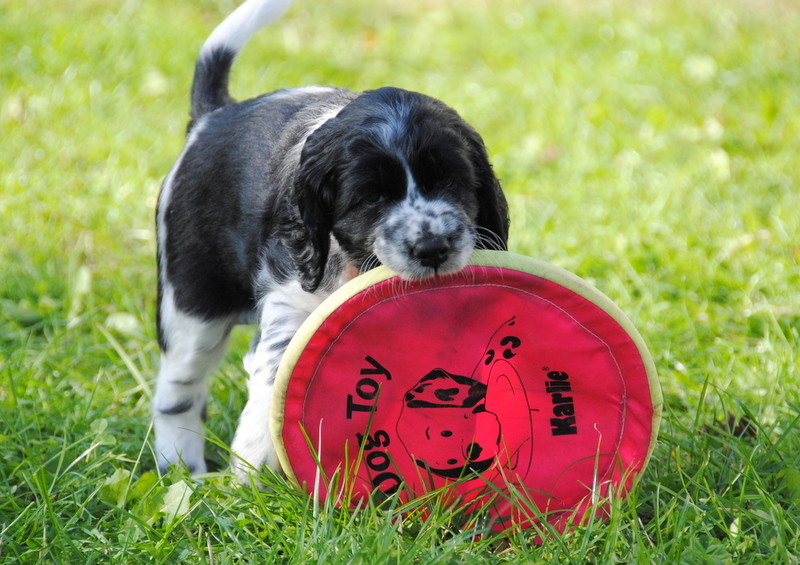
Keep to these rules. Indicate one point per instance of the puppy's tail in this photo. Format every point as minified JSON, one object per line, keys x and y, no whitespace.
{"x":210,"y":87}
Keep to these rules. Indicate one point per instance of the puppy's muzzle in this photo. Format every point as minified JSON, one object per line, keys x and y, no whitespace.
{"x":431,"y":251}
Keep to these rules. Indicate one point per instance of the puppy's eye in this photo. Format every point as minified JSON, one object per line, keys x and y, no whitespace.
{"x":443,"y":185}
{"x":374,"y":198}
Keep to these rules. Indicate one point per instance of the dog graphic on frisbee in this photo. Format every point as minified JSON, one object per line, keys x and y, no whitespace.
{"x":455,"y":426}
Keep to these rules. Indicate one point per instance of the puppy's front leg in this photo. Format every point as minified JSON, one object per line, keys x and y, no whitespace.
{"x":282,"y":312}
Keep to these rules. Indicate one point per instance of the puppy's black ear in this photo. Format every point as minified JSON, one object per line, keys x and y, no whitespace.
{"x":493,"y":213}
{"x":313,"y":195}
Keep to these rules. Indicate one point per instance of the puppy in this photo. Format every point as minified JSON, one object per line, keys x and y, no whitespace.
{"x":275,"y":202}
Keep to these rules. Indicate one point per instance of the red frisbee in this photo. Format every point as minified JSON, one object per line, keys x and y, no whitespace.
{"x":511,"y":376}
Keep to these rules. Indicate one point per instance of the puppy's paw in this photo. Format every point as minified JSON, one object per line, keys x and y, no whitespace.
{"x":252,"y":451}
{"x":196,"y":468}
{"x":180,"y":448}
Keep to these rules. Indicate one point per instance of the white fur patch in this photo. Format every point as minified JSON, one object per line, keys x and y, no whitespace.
{"x":290,"y":93}
{"x":393,"y":125}
{"x":414,"y":219}
{"x":283,"y":310}
{"x":237,"y":29}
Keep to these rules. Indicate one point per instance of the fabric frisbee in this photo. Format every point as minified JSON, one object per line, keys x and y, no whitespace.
{"x":512,"y":386}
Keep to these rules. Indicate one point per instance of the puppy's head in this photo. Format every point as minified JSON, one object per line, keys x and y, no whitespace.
{"x":397,"y":178}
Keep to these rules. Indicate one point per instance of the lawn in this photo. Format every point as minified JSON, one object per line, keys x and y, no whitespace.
{"x":652,"y":148}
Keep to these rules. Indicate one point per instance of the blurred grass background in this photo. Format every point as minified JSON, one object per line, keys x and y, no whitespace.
{"x":649,"y":147}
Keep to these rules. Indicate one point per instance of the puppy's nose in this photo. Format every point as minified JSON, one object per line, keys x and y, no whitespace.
{"x":432,"y":251}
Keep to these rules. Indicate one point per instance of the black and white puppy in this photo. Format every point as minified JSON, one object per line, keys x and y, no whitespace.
{"x":275,"y":202}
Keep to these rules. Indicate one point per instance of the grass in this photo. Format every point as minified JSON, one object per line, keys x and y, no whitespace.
{"x":649,"y":147}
